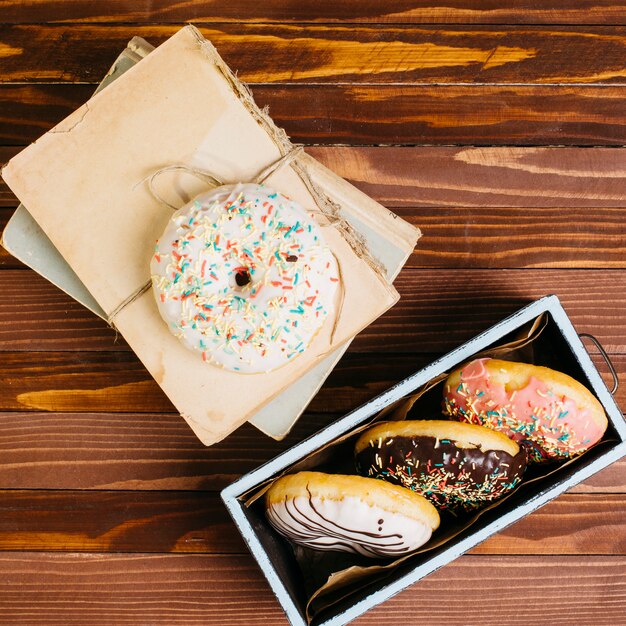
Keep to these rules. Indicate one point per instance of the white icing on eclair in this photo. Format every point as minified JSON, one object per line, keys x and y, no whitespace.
{"x":347,"y":525}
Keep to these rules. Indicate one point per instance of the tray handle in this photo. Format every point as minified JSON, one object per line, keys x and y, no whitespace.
{"x":606,"y":358}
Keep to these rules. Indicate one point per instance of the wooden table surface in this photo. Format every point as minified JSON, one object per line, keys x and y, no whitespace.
{"x":497,"y":127}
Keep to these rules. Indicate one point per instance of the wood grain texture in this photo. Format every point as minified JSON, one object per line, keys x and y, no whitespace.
{"x":537,"y":237}
{"x":336,"y":54}
{"x":109,"y":511}
{"x":35,"y":301}
{"x":152,"y":452}
{"x":118,"y":382}
{"x":128,"y":451}
{"x":391,"y":11}
{"x":120,"y":521}
{"x":156,"y":451}
{"x":519,"y":238}
{"x":28,"y":111}
{"x":7,"y":261}
{"x":438,"y":310}
{"x":571,"y":524}
{"x":444,"y":308}
{"x":564,"y":203}
{"x":200,"y":589}
{"x":67,"y":381}
{"x":197,"y":522}
{"x":496,"y":177}
{"x":521,"y":115}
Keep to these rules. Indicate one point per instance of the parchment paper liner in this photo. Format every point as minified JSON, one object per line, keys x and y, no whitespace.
{"x":331,"y":577}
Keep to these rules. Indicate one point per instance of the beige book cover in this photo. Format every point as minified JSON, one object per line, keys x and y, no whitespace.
{"x":84,"y":182}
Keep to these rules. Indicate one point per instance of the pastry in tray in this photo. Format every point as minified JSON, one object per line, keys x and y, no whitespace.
{"x":349,"y":514}
{"x":551,"y":414}
{"x":459,"y":467}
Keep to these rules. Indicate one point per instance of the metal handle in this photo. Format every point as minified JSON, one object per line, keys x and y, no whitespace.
{"x":605,"y":356}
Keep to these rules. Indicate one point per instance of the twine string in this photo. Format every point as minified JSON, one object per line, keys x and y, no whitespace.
{"x":204,"y":176}
{"x":210,"y":180}
{"x":124,"y":303}
{"x":333,"y":218}
{"x":327,"y":207}
{"x":283,"y":161}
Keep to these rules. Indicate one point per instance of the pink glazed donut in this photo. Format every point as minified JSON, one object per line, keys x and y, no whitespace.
{"x":549,"y":413}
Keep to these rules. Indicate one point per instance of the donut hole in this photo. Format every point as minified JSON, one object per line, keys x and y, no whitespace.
{"x":243,"y":277}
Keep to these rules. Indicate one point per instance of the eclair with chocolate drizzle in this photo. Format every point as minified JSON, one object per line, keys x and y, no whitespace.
{"x":349,"y":514}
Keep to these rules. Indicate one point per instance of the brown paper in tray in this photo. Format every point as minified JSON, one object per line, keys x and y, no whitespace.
{"x":84,"y":183}
{"x":331,"y":577}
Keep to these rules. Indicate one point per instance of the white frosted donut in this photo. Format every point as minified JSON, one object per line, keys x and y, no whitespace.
{"x":243,"y":275}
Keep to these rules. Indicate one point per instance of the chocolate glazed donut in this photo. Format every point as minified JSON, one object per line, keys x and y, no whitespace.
{"x":451,"y":477}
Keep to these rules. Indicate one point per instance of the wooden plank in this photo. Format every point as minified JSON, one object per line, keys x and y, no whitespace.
{"x":148,"y":452}
{"x":121,"y":521}
{"x":197,"y":522}
{"x":414,"y":114}
{"x":118,"y":382}
{"x":7,"y":197}
{"x":65,"y":381}
{"x":458,"y":237}
{"x":571,"y":524}
{"x":557,"y":586}
{"x":7,"y":261}
{"x":392,"y":11}
{"x":449,"y":114}
{"x":441,"y":309}
{"x":331,"y":54}
{"x":497,"y":177}
{"x":132,"y":451}
{"x":518,"y":238}
{"x":610,"y":480}
{"x":151,"y":452}
{"x":28,"y":111}
{"x":454,"y":194}
{"x":35,"y":303}
{"x":438,"y":310}
{"x":42,"y":589}
{"x":128,"y":451}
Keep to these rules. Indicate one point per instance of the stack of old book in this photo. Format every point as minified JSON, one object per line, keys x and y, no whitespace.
{"x":88,"y":221}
